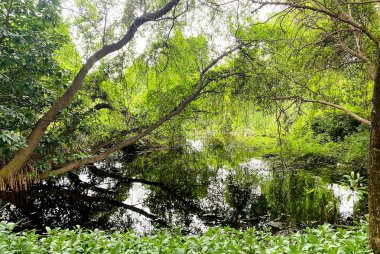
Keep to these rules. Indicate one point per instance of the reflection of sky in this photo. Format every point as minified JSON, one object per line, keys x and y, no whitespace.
{"x":106,"y":182}
{"x":257,"y":166}
{"x":136,"y":196}
{"x":196,"y":145}
{"x":346,"y":207}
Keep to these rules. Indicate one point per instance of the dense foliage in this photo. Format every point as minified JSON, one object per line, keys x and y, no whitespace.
{"x":30,"y":77}
{"x":323,"y":239}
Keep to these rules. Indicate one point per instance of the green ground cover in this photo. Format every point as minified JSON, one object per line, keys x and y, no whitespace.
{"x":323,"y":239}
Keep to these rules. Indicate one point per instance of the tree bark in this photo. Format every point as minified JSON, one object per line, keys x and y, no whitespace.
{"x":374,"y":161}
{"x":34,"y":138}
{"x":374,"y":166}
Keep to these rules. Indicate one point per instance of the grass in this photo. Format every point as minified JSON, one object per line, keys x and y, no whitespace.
{"x":323,"y":239}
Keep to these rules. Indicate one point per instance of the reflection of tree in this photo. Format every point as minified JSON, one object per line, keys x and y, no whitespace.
{"x":44,"y":206}
{"x":303,"y":197}
{"x":70,"y":201}
{"x":112,"y":202}
{"x":180,"y":184}
{"x":183,"y":176}
{"x":240,"y":194}
{"x":162,"y":194}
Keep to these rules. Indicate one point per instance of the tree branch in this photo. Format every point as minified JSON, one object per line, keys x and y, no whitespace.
{"x":100,"y":106}
{"x":333,"y":105}
{"x":352,"y":52}
{"x":328,"y":12}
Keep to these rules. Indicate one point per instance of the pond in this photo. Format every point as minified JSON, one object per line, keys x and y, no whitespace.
{"x":195,"y":186}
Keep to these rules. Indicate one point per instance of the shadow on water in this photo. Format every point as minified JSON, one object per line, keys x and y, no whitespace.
{"x":195,"y":186}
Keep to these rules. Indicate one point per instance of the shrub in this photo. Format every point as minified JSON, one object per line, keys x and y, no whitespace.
{"x":335,"y":124}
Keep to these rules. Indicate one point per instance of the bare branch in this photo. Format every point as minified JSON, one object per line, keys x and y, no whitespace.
{"x":323,"y":102}
{"x":359,"y":3}
{"x":338,"y":16}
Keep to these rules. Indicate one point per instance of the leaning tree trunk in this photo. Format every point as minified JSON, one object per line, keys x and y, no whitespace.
{"x":374,"y":167}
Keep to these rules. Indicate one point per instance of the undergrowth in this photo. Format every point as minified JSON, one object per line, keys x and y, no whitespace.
{"x":323,"y":239}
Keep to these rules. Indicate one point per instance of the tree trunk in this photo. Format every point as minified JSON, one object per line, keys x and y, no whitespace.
{"x":374,"y":161}
{"x":374,"y":167}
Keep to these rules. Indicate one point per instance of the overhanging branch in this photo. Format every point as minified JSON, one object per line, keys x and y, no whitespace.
{"x":330,"y":104}
{"x":338,"y":16}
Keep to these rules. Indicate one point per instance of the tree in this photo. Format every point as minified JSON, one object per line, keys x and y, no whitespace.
{"x":14,"y":167}
{"x":347,"y":31}
{"x":21,"y":157}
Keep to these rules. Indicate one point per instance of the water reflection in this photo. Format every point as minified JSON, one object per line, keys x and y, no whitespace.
{"x":193,"y":187}
{"x":347,"y":198}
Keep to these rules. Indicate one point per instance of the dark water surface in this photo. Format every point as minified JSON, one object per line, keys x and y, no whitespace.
{"x":196,"y":186}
